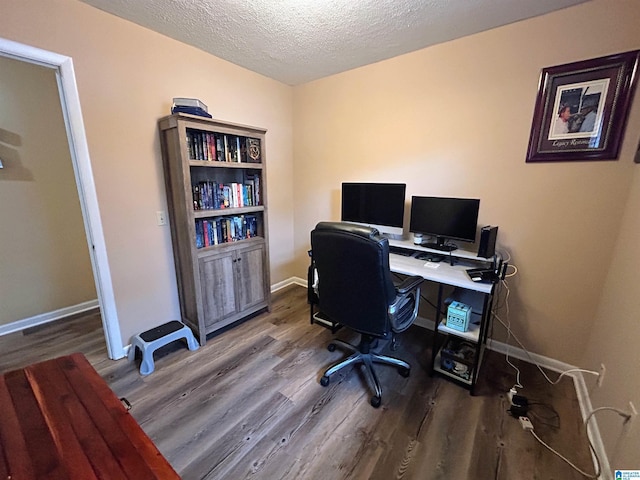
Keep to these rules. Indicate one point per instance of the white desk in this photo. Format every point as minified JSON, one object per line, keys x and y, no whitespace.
{"x":444,"y":273}
{"x":456,"y":276}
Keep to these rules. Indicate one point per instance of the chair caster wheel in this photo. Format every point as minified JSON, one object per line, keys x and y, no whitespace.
{"x":405,"y":372}
{"x":324,"y":381}
{"x":331,"y":347}
{"x":375,"y":402}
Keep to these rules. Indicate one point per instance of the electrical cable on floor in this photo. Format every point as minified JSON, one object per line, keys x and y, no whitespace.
{"x":622,"y":413}
{"x":566,"y":460}
{"x":507,"y":325}
{"x":543,"y":419}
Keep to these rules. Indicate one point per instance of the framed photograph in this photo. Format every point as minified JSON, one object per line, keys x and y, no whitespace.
{"x":582,"y":109}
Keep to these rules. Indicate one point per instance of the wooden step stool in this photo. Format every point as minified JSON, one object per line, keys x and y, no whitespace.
{"x":148,"y":342}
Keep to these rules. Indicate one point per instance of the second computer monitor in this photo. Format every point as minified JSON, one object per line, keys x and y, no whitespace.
{"x":446,"y":219}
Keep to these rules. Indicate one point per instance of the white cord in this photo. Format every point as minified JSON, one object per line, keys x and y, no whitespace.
{"x":588,"y":475}
{"x":515,"y":271}
{"x":506,"y":302}
{"x":553,"y":382}
{"x":622,"y":413}
{"x":507,"y":325}
{"x":508,"y":259}
{"x":562,"y":374}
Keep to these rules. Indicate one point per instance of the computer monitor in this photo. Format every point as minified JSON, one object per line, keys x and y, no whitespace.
{"x":446,"y":219}
{"x":378,"y":205}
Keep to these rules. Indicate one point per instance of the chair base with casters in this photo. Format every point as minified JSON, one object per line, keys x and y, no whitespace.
{"x":362,"y":355}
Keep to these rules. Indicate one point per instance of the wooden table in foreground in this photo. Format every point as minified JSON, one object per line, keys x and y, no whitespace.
{"x":60,"y":420}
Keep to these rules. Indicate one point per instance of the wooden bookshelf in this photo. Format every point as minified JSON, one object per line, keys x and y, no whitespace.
{"x":215,"y":177}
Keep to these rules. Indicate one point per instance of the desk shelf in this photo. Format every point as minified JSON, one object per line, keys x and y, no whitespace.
{"x":437,"y":367}
{"x":475,"y":294}
{"x":476,"y":335}
{"x":472,"y":335}
{"x":473,"y":370}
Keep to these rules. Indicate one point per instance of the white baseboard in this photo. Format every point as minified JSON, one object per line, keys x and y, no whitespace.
{"x":289,"y":281}
{"x":47,"y":317}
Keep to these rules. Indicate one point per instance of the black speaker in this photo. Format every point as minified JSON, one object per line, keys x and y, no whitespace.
{"x":487,"y":247}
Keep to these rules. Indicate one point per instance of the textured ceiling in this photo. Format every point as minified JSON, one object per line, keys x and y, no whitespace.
{"x":296,"y":41}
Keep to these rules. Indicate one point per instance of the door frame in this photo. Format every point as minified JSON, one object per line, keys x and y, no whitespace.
{"x":78,"y":147}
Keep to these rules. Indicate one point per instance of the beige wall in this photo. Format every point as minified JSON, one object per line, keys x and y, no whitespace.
{"x":44,"y":257}
{"x":454,"y":120}
{"x":615,"y":338}
{"x":127,"y":76}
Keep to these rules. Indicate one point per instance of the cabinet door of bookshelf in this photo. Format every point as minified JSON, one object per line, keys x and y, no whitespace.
{"x":217,"y":279}
{"x":251,"y":283}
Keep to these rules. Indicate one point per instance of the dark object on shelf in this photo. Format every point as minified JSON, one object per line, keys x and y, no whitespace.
{"x":457,"y":357}
{"x":190,"y":110}
{"x":405,"y":252}
{"x":430,"y":257}
{"x":487,"y":247}
{"x":483,"y":275}
{"x":192,"y":106}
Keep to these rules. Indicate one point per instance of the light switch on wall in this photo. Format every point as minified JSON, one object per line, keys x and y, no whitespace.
{"x":162,"y":217}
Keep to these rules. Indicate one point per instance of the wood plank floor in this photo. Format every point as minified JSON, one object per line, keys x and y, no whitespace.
{"x":249,"y":405}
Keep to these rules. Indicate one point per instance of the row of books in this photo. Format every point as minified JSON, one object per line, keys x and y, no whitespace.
{"x":214,"y":231}
{"x":210,"y":195}
{"x":220,"y":147}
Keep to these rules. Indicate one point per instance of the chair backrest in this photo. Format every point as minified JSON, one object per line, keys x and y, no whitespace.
{"x":355,"y":287}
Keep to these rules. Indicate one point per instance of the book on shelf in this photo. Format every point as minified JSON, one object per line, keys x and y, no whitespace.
{"x":254,"y":181}
{"x":210,"y":195}
{"x":218,"y":147}
{"x":199,"y":235}
{"x":215,"y":231}
{"x":201,"y":145}
{"x":233,"y":153}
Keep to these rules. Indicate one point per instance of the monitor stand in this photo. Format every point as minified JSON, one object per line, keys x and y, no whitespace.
{"x":440,"y":245}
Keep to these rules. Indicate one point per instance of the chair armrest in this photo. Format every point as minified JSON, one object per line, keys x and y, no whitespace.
{"x":404,"y":310}
{"x":408,"y":284}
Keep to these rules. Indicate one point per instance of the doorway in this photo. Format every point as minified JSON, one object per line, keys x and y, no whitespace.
{"x":70,"y":103}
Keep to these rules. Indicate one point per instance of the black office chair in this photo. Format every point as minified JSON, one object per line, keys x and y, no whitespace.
{"x":354,"y":288}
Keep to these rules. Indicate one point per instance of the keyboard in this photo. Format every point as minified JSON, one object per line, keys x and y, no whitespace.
{"x":405,"y":252}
